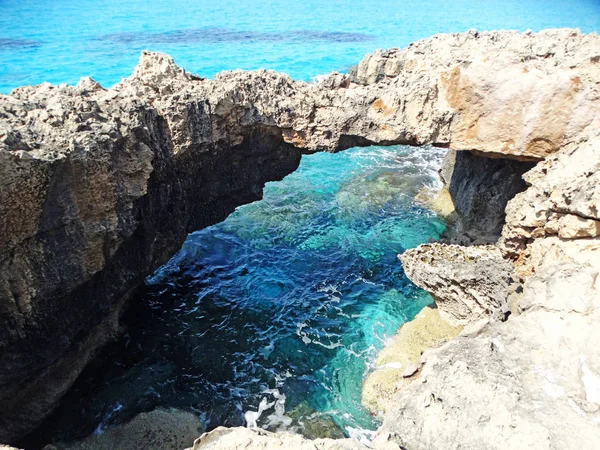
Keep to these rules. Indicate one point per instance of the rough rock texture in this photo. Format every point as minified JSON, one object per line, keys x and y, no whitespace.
{"x":254,"y":438}
{"x":91,"y":202}
{"x":401,"y":358}
{"x":160,"y":429}
{"x":467,"y":283}
{"x":534,"y":380}
{"x":563,"y":200}
{"x":99,"y":187}
{"x":530,"y":382}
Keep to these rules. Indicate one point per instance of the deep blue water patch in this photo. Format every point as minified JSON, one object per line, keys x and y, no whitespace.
{"x":285,"y":303}
{"x":217,"y":35}
{"x":15,"y":44}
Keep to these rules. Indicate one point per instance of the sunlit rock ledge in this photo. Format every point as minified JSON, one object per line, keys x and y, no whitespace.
{"x":99,"y":187}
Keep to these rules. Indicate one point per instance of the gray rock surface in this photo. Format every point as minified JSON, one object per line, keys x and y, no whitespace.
{"x":100,"y":187}
{"x":161,"y":429}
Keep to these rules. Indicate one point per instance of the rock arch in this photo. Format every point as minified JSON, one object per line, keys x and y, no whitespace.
{"x":100,"y":187}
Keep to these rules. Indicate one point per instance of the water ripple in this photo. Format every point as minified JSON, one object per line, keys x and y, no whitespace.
{"x":275,"y":308}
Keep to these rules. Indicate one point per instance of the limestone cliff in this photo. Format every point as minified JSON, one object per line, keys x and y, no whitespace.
{"x":99,"y":187}
{"x":532,"y":381}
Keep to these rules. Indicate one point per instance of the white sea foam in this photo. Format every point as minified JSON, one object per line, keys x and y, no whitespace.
{"x":360,"y":434}
{"x":277,"y":419}
{"x":253,"y":416}
{"x":100,"y":428}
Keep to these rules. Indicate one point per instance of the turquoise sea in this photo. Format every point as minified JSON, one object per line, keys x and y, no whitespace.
{"x":286,"y":302}
{"x":62,"y":40}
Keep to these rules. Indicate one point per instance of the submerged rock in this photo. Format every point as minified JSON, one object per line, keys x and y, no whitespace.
{"x":313,"y":424}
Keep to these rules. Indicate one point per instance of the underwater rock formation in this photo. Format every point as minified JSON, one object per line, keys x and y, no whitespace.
{"x":99,"y":187}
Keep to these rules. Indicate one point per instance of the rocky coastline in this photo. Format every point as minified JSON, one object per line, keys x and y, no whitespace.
{"x":100,"y":187}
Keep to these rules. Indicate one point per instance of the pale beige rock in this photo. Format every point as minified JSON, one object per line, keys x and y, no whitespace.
{"x":534,"y":380}
{"x":571,"y":226}
{"x":563,"y":198}
{"x":400,"y":358}
{"x":255,"y":438}
{"x":529,"y":382}
{"x":467,"y":283}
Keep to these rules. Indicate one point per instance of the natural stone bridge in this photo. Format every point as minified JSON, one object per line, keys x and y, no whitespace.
{"x":98,"y":187}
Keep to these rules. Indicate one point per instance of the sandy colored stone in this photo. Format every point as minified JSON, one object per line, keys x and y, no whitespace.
{"x":571,"y":226}
{"x":402,"y":353}
{"x":532,"y":381}
{"x":255,"y":438}
{"x":467,"y":283}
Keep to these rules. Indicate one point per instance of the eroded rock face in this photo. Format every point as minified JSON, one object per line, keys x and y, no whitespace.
{"x":480,"y":188}
{"x":467,"y":283}
{"x":99,"y":187}
{"x":534,"y":380}
{"x":530,"y":382}
{"x":563,"y":200}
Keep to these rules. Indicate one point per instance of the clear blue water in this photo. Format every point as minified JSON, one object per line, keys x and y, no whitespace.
{"x":291,"y":297}
{"x":60,"y":41}
{"x":288,"y":301}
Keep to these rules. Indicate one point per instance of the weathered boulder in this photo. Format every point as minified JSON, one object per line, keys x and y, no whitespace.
{"x":255,"y":438}
{"x":467,"y":283}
